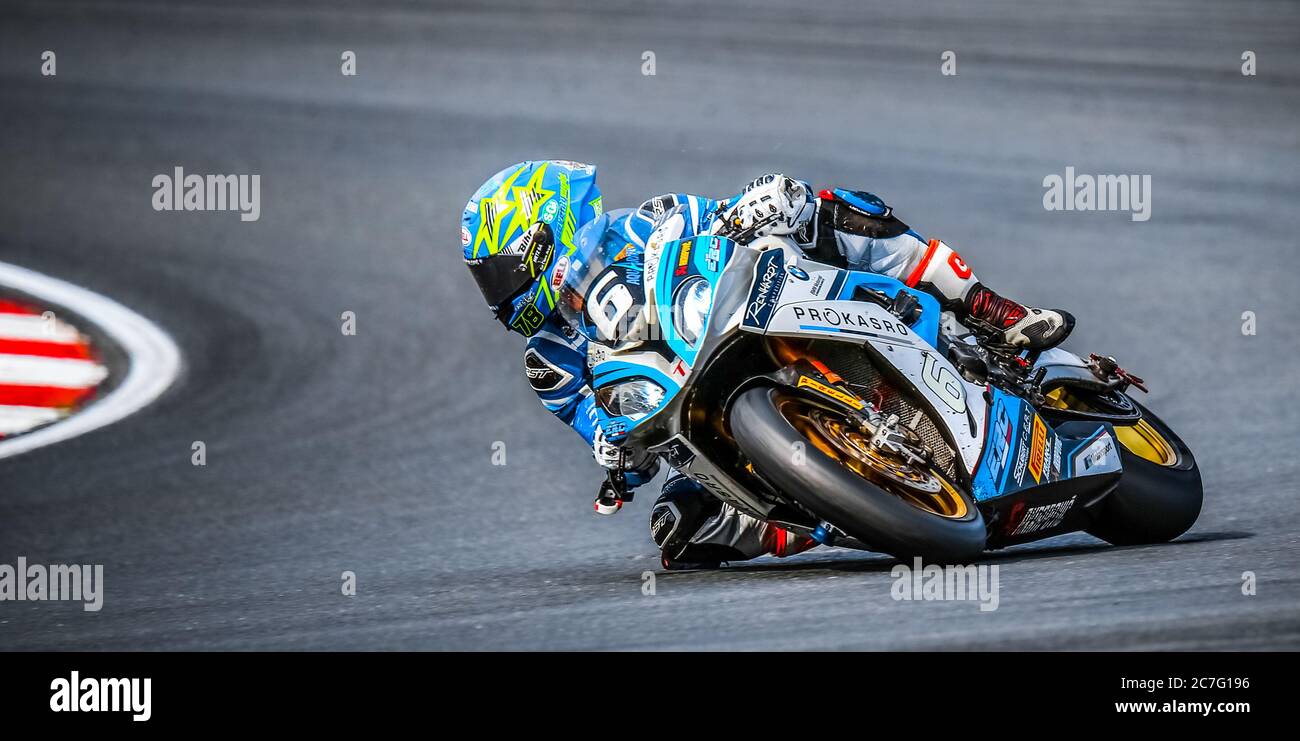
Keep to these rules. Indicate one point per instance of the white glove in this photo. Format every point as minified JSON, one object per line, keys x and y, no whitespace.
{"x":771,"y":205}
{"x":606,"y":453}
{"x":640,"y":465}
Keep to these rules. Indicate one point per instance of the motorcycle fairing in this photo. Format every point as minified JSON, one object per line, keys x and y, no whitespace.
{"x":684,"y":457}
{"x":1022,"y":451}
{"x":792,"y":297}
{"x":782,"y":279}
{"x":678,"y":263}
{"x":670,"y":358}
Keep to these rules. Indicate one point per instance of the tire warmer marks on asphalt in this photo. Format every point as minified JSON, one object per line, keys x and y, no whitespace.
{"x":48,"y":369}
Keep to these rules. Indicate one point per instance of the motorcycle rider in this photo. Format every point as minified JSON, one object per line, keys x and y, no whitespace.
{"x":532,"y":222}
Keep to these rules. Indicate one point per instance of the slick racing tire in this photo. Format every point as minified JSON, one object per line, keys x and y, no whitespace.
{"x":772,"y":426}
{"x":1159,"y":495}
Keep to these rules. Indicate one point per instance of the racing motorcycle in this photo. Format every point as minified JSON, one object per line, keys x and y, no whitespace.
{"x":829,"y":402}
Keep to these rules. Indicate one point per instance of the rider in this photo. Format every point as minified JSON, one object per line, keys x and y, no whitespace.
{"x":532,"y":222}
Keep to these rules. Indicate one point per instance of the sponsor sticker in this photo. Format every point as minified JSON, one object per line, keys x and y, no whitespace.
{"x":1056,"y":458}
{"x":1001,"y":441}
{"x":464,"y":236}
{"x":832,"y":392}
{"x":1096,"y":455}
{"x":1022,"y":456}
{"x":833,"y":317}
{"x":713,"y":254}
{"x":1038,"y":449}
{"x":683,"y":258}
{"x":678,"y":453}
{"x":574,"y":165}
{"x":557,"y":275}
{"x":769,"y":277}
{"x":1042,"y":517}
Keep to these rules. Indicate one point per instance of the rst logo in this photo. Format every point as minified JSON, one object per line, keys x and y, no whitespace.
{"x":835,"y":318}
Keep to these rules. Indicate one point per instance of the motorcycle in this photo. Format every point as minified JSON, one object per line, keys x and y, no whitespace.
{"x":828,"y":401}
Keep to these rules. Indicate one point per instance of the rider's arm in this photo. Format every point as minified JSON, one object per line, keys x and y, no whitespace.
{"x":697,"y":210}
{"x":556,"y":366}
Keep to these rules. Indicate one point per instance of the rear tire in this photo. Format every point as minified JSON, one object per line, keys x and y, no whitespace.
{"x":1154,"y":502}
{"x":837,"y":494}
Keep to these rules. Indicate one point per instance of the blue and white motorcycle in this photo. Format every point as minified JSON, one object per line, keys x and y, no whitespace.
{"x":829,"y":401}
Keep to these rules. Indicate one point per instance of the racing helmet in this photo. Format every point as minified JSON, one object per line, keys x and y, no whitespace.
{"x":517,"y":232}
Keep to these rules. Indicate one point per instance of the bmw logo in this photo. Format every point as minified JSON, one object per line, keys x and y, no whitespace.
{"x":797,"y":272}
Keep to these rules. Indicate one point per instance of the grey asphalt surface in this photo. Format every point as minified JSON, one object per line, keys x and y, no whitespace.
{"x":372,"y":453}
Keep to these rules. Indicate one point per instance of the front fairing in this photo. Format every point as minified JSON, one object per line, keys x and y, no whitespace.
{"x":661,"y":353}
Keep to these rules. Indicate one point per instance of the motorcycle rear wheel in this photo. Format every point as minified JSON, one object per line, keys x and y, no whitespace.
{"x":815,"y":455}
{"x":1160,"y":494}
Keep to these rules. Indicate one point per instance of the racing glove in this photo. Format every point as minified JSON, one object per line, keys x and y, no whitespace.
{"x":626,"y":470}
{"x":773,"y":205}
{"x":637,"y":467}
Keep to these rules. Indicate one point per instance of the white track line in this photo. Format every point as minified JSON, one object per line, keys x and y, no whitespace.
{"x":154,"y":361}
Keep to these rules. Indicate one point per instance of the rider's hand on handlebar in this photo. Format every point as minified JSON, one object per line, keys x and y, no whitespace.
{"x":607,"y":454}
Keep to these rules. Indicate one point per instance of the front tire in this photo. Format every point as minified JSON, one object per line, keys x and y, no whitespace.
{"x":1159,"y":496}
{"x":952,"y":531}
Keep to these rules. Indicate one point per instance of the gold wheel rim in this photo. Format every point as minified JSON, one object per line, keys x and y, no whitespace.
{"x":843,"y":441}
{"x":1140,"y":439}
{"x":1147,"y":443}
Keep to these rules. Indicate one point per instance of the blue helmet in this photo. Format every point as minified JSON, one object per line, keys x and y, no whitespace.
{"x":518,"y":234}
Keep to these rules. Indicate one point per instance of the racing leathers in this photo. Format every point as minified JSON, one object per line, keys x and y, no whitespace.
{"x":851,"y":229}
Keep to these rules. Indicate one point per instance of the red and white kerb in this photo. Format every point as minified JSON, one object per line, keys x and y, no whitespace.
{"x":47,"y":368}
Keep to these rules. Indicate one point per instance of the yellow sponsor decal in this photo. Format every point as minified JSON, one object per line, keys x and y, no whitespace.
{"x":834,"y":393}
{"x":1038,"y":448}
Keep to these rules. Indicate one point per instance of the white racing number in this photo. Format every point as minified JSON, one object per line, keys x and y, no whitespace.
{"x":944,"y":383}
{"x":608,"y":309}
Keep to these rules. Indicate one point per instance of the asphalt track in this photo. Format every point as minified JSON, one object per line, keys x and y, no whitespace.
{"x":372,"y":453}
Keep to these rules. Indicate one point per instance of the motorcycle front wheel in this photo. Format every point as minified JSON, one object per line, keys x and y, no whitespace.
{"x":820,"y":458}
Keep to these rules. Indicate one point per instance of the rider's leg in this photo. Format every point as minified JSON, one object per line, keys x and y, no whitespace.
{"x":941,"y":272}
{"x":695,"y":529}
{"x":867,"y":236}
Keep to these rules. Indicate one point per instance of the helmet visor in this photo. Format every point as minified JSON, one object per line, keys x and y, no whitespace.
{"x":503,"y":276}
{"x":500,"y":277}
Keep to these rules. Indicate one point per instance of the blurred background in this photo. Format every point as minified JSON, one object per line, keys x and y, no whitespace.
{"x":372,"y":453}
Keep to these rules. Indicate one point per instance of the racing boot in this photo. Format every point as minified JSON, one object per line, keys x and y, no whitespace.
{"x":1016,"y":324}
{"x":938,"y":270}
{"x":696,"y":530}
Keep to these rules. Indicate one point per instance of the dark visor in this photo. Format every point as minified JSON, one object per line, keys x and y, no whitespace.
{"x":500,"y":277}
